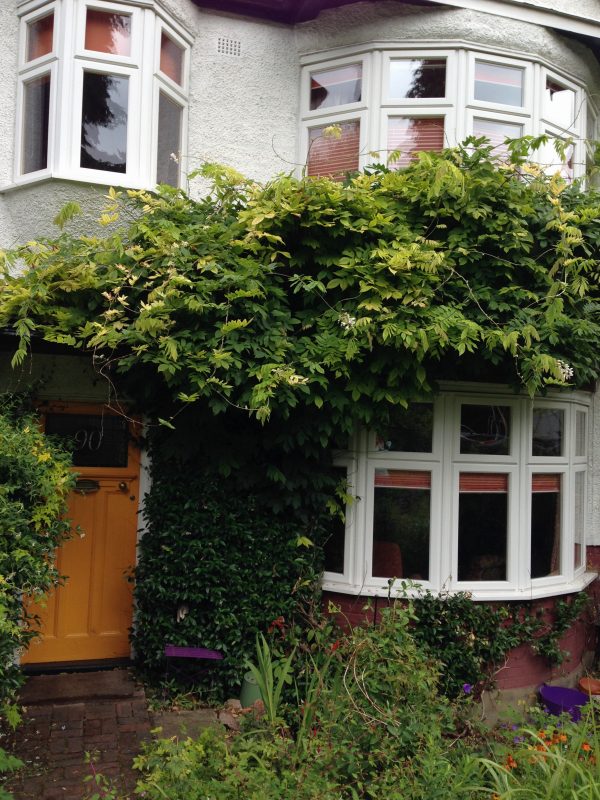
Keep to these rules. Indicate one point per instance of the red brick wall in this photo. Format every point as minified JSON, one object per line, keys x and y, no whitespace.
{"x":523,"y":667}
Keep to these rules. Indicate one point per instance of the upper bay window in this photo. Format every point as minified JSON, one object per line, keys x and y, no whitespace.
{"x":389,"y":103}
{"x":103,"y":94}
{"x":479,"y":492}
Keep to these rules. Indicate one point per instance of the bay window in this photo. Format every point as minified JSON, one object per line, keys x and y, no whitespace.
{"x":103,"y":94}
{"x":387,"y":103}
{"x":475,"y":491}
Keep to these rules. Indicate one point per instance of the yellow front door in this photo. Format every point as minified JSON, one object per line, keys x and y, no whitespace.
{"x":89,"y":616}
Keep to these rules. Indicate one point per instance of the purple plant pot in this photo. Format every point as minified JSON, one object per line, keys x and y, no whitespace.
{"x":558,"y":700}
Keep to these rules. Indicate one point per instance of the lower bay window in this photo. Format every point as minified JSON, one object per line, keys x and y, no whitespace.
{"x":103,"y":93}
{"x":475,"y":492}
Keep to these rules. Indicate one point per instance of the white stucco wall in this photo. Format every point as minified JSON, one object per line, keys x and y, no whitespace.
{"x":244,"y":109}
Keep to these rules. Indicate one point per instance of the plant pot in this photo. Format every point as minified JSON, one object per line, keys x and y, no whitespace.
{"x":250,"y":692}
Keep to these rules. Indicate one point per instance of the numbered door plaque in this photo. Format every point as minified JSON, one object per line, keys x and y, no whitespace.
{"x":96,"y":440}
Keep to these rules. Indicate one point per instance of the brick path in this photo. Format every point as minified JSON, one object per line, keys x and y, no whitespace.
{"x":67,"y":716}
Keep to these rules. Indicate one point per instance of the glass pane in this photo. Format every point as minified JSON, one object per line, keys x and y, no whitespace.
{"x":39,"y":37}
{"x":36,"y":113}
{"x":485,"y":430}
{"x":545,"y":525}
{"x":96,"y":440}
{"x":496,"y":83}
{"x":424,"y":77}
{"x":482,"y":526}
{"x":336,"y":87}
{"x":497,"y":132}
{"x":410,"y":430}
{"x":412,"y":135}
{"x":579,"y":518}
{"x":559,"y":103}
{"x":336,"y":539}
{"x":590,"y":123}
{"x":401,"y":522}
{"x":106,"y":32}
{"x":580,"y":433}
{"x":171,"y":59}
{"x":554,"y":162}
{"x":333,"y":155}
{"x":548,"y":432}
{"x":104,"y":122}
{"x":169,"y":141}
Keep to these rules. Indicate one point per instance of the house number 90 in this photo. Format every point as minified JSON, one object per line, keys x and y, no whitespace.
{"x":88,"y":440}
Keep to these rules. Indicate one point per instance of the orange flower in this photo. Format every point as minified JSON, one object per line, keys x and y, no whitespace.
{"x":562,"y":737}
{"x":510,"y":762}
{"x":586,"y":747}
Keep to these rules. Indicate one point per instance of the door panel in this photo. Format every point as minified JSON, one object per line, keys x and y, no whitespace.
{"x":89,"y":616}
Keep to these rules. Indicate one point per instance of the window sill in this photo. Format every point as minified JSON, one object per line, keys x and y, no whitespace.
{"x":46,"y":177}
{"x":520,"y":595}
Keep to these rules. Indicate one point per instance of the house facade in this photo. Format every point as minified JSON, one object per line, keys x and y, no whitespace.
{"x":480,"y":490}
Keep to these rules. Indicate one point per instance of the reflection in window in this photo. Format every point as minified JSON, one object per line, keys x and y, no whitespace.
{"x":171,"y":59}
{"x":39,"y":37}
{"x":580,"y":434}
{"x":579,"y":501}
{"x":545,"y":524}
{"x":497,"y":132}
{"x":333,"y":155}
{"x":485,"y":430}
{"x":556,"y":157}
{"x":559,"y":103}
{"x":104,"y":122}
{"x":482,"y":526}
{"x":169,"y":141}
{"x":36,"y":102}
{"x":411,"y":135}
{"x":497,"y":83}
{"x":401,"y":520}
{"x":336,"y":87}
{"x":336,"y":534}
{"x":410,"y":430}
{"x":106,"y":32}
{"x":548,"y":432}
{"x":413,"y":78}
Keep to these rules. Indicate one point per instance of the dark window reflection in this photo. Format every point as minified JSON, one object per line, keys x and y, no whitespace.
{"x":410,"y":430}
{"x":545,"y":525}
{"x":104,"y":122}
{"x":485,"y":430}
{"x":418,"y":78}
{"x":336,"y":534}
{"x":35,"y":124}
{"x":482,"y":527}
{"x":547,"y":437}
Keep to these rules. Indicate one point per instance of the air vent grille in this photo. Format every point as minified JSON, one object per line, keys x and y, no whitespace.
{"x":229,"y":47}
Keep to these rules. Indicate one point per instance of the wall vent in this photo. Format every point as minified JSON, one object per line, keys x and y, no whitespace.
{"x":229,"y":47}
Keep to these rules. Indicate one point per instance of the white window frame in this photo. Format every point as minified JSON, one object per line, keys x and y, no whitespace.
{"x":66,"y":65}
{"x":445,"y":462}
{"x":458,"y":107}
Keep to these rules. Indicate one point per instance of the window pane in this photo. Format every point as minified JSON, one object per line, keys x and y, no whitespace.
{"x":96,"y":440}
{"x":579,"y":518}
{"x":424,"y":77}
{"x":545,"y":525}
{"x":485,"y":430}
{"x":401,"y":521}
{"x":497,"y":132}
{"x":554,"y":162}
{"x":580,"y":434}
{"x":336,"y":87}
{"x":410,"y":430}
{"x":496,"y":83}
{"x":548,"y":432}
{"x":104,"y":122}
{"x":559,"y":103}
{"x":171,"y":59}
{"x":108,"y":33}
{"x":333,"y":156}
{"x":482,"y":526}
{"x":36,"y":112}
{"x":169,"y":141}
{"x":412,"y":135}
{"x":336,"y":538}
{"x":39,"y":37}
